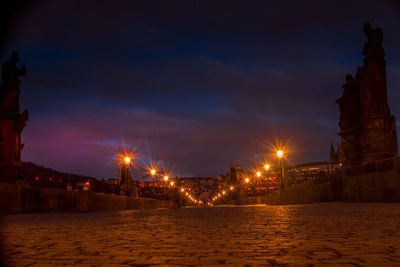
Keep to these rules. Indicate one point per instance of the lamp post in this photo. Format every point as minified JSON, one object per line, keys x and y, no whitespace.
{"x":171,"y":191}
{"x":279,"y":154}
{"x":258,"y":181}
{"x":125,"y":180}
{"x":127,"y":161}
{"x":165,"y":190}
{"x":153,"y":174}
{"x":266,"y":166}
{"x":247,"y":186}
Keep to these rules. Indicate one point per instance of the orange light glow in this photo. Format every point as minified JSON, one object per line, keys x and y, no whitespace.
{"x":247,"y":180}
{"x":125,"y":157}
{"x":231,"y":187}
{"x":127,"y":160}
{"x":279,"y":153}
{"x":266,"y":166}
{"x":258,"y":174}
{"x":182,"y":189}
{"x":153,"y":172}
{"x":166,"y":178}
{"x":172,"y":183}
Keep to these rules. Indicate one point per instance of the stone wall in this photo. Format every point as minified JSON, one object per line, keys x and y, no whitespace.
{"x":378,"y":181}
{"x":21,"y":199}
{"x":244,"y":201}
{"x":251,"y":200}
{"x":309,"y":192}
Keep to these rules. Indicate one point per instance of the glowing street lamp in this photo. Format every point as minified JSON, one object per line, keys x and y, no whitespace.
{"x":279,"y":153}
{"x":231,"y":187}
{"x":171,"y":183}
{"x":247,"y":180}
{"x":127,"y":160}
{"x":166,"y":178}
{"x":182,"y":189}
{"x":266,"y":166}
{"x":153,"y":172}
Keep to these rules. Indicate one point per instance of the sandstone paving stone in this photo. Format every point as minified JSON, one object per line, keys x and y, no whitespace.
{"x":325,"y":233}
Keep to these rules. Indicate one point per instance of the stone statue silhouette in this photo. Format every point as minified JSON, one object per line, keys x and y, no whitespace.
{"x":374,"y":36}
{"x":10,"y":91}
{"x":367,"y":128}
{"x":349,"y":104}
{"x":350,"y":113}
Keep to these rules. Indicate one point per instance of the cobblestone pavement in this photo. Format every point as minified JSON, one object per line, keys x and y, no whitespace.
{"x":333,"y":233}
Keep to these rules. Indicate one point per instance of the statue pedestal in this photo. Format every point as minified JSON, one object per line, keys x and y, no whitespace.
{"x":10,"y":149}
{"x":379,"y":138}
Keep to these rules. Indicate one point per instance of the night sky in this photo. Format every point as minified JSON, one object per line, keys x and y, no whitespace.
{"x":191,"y":85}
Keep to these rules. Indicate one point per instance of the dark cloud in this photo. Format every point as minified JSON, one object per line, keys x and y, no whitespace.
{"x":194,"y":145}
{"x":192,"y":84}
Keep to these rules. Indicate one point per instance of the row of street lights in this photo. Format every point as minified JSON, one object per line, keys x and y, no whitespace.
{"x":258,"y":174}
{"x":282,"y":183}
{"x":126,"y":159}
{"x":267,"y":167}
{"x":280,"y":154}
{"x":190,"y":197}
{"x":153,"y":173}
{"x":220,"y":195}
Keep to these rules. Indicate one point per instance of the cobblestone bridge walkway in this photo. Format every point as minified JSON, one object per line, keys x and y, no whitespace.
{"x":335,"y":233}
